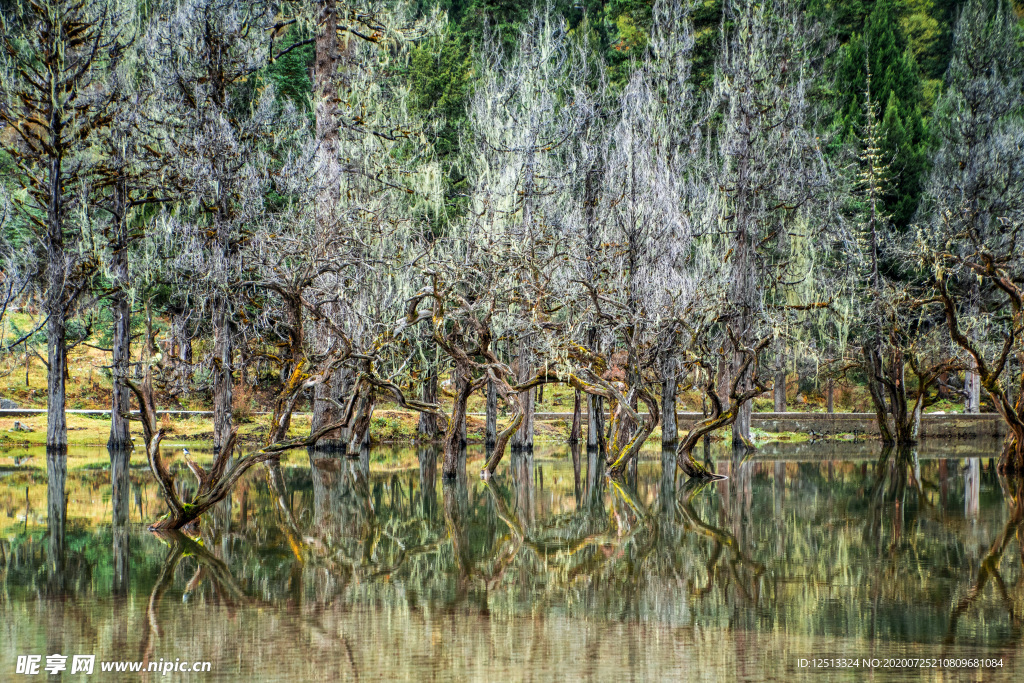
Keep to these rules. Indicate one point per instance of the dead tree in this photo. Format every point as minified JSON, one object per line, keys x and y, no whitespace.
{"x":977,"y":173}
{"x":215,"y":483}
{"x":721,"y":416}
{"x":204,"y":56}
{"x":998,"y":268}
{"x":769,"y":167}
{"x":56,"y":101}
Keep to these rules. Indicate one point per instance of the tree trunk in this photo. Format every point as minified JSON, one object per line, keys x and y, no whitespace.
{"x":873,"y":369}
{"x":741,"y":427}
{"x":491,"y":428}
{"x":595,"y":422}
{"x":523,"y":438}
{"x":56,"y":351}
{"x":903,"y":418}
{"x":576,"y":460}
{"x":453,"y":445}
{"x":463,"y":433}
{"x":427,"y":426}
{"x":743,"y":284}
{"x":120,"y":436}
{"x":56,"y":332}
{"x":326,"y":398}
{"x":627,"y":425}
{"x":181,"y":348}
{"x":326,"y":72}
{"x":724,"y":378}
{"x":972,"y":389}
{"x":223,"y":379}
{"x":669,"y":426}
{"x":830,"y":395}
{"x":56,"y":271}
{"x":574,"y":432}
{"x":362,"y":414}
{"x":779,"y":390}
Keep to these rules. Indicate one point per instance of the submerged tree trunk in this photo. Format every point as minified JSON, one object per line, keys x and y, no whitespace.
{"x":574,"y":431}
{"x":57,"y":359}
{"x":362,"y":415}
{"x":327,"y":63}
{"x":1011,"y":461}
{"x":669,"y":426}
{"x":120,"y":504}
{"x":327,"y":397}
{"x":120,"y":436}
{"x":455,"y":506}
{"x":523,"y":438}
{"x":427,"y":425}
{"x":119,"y":483}
{"x":720,"y":415}
{"x":491,"y":427}
{"x":453,"y":444}
{"x":223,"y":376}
{"x":873,"y":369}
{"x":595,"y":422}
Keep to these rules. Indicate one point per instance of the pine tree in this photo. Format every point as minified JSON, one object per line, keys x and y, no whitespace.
{"x":873,"y":179}
{"x":883,"y":48}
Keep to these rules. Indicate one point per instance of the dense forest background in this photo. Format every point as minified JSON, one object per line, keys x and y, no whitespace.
{"x":333,"y":205}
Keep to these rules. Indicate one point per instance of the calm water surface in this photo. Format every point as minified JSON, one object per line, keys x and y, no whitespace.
{"x":375,"y":569}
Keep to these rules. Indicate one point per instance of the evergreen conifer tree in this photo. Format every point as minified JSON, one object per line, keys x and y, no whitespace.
{"x":884,"y":49}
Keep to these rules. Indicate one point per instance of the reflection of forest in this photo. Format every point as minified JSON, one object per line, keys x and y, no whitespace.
{"x":894,"y":549}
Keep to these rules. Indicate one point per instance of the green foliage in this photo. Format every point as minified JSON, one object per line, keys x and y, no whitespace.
{"x":707,"y":20}
{"x":904,"y":141}
{"x":439,"y":80}
{"x":290,"y":72}
{"x":439,"y":77}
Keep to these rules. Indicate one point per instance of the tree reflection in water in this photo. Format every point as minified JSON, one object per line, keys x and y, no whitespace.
{"x":1013,"y":493}
{"x":820,"y":547}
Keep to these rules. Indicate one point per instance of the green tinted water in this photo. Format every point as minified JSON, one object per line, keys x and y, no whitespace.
{"x":344,"y":570}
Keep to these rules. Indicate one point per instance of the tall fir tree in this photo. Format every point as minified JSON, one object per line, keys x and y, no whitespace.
{"x":883,"y":48}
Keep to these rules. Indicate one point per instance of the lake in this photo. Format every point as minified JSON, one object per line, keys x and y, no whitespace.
{"x":808,"y":557}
